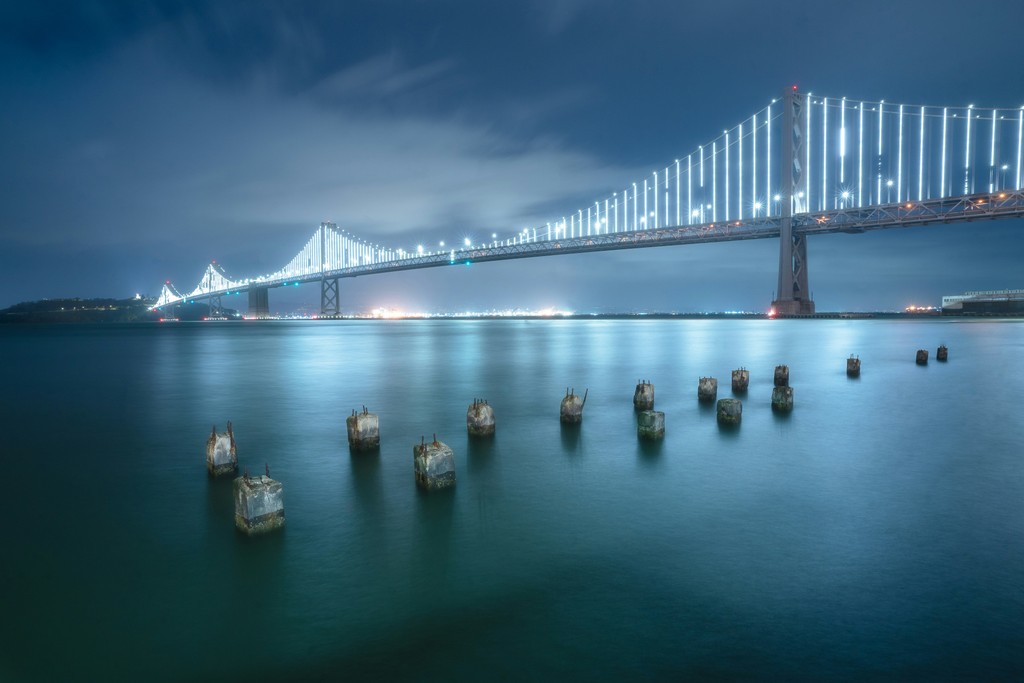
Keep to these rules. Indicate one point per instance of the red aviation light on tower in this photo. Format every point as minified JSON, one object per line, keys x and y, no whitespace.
{"x":794,"y":87}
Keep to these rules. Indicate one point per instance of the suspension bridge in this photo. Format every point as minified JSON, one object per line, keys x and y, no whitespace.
{"x":803,"y":165}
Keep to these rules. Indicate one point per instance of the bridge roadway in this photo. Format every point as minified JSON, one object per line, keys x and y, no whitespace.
{"x":1003,"y":204}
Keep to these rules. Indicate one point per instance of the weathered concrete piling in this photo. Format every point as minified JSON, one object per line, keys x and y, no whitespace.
{"x":782,"y":375}
{"x":740,"y":380}
{"x":707,"y":389}
{"x":782,"y":399}
{"x":221,"y":457}
{"x":922,"y":357}
{"x":853,"y":366}
{"x":259,"y":504}
{"x":571,"y":410}
{"x":942,"y":353}
{"x":730,"y":411}
{"x":363,"y":431}
{"x":434,"y":464}
{"x":480,"y":418}
{"x":650,"y":425}
{"x":643,"y":397}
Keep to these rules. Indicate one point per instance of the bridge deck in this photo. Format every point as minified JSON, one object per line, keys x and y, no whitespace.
{"x":988,"y":206}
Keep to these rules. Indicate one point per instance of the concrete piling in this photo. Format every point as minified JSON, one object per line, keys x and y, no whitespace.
{"x":363,"y":431}
{"x":740,"y":380}
{"x":853,"y":366}
{"x":782,"y":399}
{"x":707,"y":389}
{"x":259,"y":504}
{"x":782,"y":375}
{"x":942,"y":353}
{"x":730,"y":411}
{"x":922,"y":357}
{"x":480,"y":418}
{"x":650,"y":425}
{"x":643,"y":397}
{"x":221,"y":457}
{"x":433,"y":464}
{"x":571,"y":410}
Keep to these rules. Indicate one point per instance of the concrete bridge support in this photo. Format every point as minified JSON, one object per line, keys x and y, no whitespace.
{"x":794,"y":297}
{"x":259,"y":302}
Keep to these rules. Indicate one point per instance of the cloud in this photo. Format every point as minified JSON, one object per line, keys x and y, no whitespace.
{"x":146,"y":169}
{"x":381,"y":76}
{"x":555,"y":16}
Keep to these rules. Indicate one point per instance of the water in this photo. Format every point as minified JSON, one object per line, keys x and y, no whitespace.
{"x":875,"y":533}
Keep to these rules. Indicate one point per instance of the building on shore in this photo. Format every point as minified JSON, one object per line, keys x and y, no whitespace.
{"x":987,"y":302}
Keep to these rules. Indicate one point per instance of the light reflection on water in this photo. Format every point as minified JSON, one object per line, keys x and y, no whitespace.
{"x":874,"y":532}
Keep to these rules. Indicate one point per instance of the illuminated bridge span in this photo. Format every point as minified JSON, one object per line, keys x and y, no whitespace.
{"x":803,"y":165}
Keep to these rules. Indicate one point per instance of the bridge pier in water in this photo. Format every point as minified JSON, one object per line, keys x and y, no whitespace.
{"x":216,"y":309}
{"x":259,"y":302}
{"x":329,"y":300}
{"x":793,"y":294}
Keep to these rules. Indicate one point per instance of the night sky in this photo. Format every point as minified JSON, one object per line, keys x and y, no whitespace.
{"x":140,"y":140}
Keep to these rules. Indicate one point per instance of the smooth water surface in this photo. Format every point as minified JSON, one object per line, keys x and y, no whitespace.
{"x":877,"y":532}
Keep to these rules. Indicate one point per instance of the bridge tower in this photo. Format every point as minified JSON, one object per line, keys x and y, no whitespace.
{"x":793,"y":295}
{"x":329,"y":300}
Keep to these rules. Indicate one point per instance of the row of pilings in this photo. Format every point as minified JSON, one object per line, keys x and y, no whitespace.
{"x":259,"y":500}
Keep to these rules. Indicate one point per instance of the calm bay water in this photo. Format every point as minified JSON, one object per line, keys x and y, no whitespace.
{"x":875,"y":533}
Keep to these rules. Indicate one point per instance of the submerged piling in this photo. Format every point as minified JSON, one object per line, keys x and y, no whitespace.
{"x":571,"y":410}
{"x":942,"y":353}
{"x":221,"y":457}
{"x":853,"y":366}
{"x":782,"y":399}
{"x":363,"y":431}
{"x":922,"y":357}
{"x":259,"y":504}
{"x":730,"y":411}
{"x":650,"y":425}
{"x":643,"y":397}
{"x":433,"y":464}
{"x":740,"y":380}
{"x":782,"y":375}
{"x":707,"y":389}
{"x":480,"y":418}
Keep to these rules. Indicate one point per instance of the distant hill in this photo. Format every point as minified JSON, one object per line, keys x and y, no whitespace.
{"x":98,"y":311}
{"x":79,"y":311}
